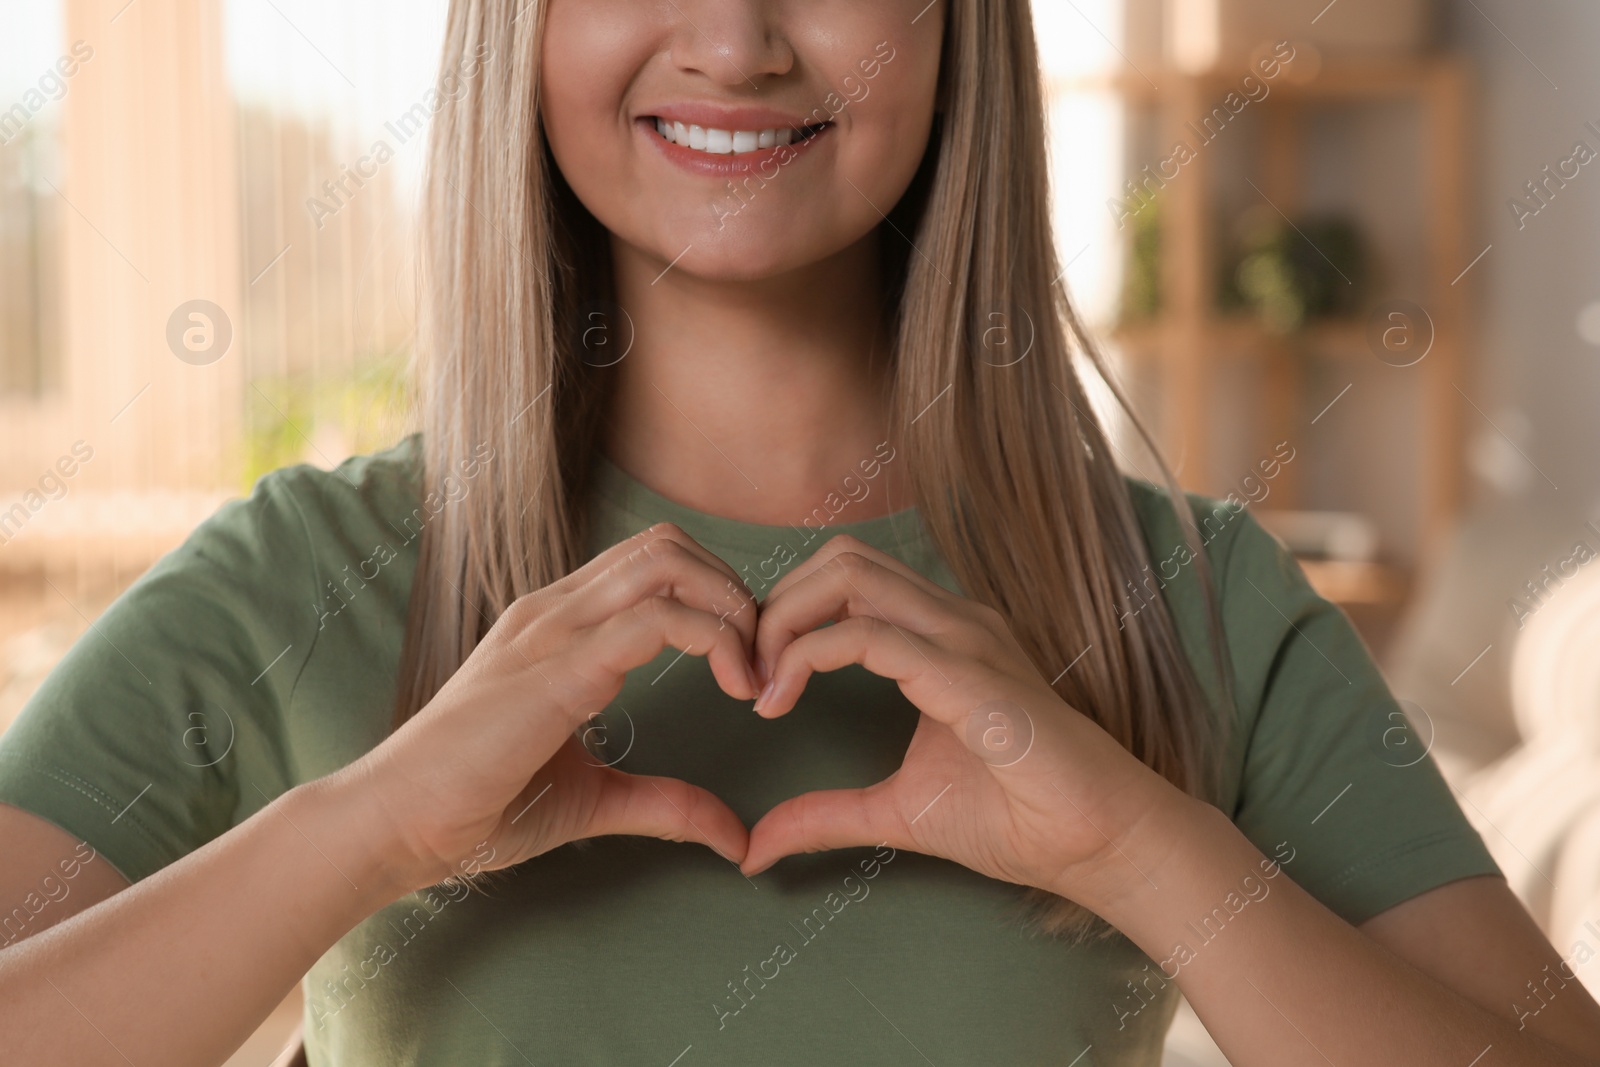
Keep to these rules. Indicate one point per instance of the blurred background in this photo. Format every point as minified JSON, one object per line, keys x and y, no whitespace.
{"x":1341,"y":254}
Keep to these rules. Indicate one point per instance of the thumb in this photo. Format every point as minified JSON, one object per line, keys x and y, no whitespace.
{"x":668,"y":808}
{"x":826,"y":819}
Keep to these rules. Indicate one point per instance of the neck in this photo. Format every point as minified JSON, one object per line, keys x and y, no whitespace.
{"x":754,"y":400}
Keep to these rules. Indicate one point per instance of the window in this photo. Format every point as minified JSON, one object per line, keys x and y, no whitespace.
{"x":33,"y":62}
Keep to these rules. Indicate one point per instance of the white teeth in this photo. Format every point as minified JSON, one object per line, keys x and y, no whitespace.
{"x":723,"y":142}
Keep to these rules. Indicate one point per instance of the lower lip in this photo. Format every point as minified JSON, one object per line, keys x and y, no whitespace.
{"x":724,"y":167}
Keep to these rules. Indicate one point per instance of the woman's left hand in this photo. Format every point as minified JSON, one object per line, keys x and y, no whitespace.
{"x":1001,"y":775}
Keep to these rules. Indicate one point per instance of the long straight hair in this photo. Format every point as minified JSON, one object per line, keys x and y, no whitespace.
{"x":1012,"y":474}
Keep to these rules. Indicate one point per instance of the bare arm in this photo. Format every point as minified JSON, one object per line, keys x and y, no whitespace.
{"x":48,"y":876}
{"x":1433,"y":981}
{"x":183,"y":966}
{"x":1475,"y":937}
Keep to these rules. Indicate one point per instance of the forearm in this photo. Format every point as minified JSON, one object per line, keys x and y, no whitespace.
{"x":1278,"y":978}
{"x":182,"y":966}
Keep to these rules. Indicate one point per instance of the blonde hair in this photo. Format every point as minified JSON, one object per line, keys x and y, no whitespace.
{"x":1013,"y":476}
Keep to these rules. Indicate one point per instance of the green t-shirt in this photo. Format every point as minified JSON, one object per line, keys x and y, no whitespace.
{"x":263,"y":653}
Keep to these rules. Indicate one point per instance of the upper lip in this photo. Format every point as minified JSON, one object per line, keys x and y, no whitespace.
{"x":718,"y":117}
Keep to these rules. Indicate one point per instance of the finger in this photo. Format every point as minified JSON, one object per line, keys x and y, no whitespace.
{"x":674,"y":810}
{"x":672,"y":562}
{"x":608,"y":556}
{"x":658,"y":560}
{"x":676,"y":565}
{"x":849,"y":584}
{"x":924,"y":670}
{"x":682,"y":536}
{"x":637,"y":634}
{"x":661,"y":566}
{"x":826,"y":819}
{"x":846,"y":543}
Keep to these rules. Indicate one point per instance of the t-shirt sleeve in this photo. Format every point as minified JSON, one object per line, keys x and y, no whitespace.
{"x":163,"y":725}
{"x":1331,"y":770}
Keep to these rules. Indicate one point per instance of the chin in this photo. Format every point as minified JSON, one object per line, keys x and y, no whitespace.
{"x":749,"y":251}
{"x":739,"y":266}
{"x":762,"y":245}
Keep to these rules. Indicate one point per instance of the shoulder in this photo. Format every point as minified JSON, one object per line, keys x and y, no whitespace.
{"x":258,"y":569}
{"x":180,"y":696}
{"x":366,"y":489}
{"x":1261,"y":594}
{"x":1226,"y":529}
{"x":297,"y":513}
{"x":1321,"y":761}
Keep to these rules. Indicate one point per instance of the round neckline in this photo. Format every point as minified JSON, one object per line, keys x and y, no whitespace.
{"x":643,"y":502}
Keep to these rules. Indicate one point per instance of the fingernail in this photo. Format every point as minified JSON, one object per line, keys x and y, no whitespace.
{"x":761,"y":669}
{"x":750,"y":675}
{"x":766,"y":693}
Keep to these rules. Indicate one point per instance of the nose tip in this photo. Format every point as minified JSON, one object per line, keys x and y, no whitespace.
{"x":735,"y":45}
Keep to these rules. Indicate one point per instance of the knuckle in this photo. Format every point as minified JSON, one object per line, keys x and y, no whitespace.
{"x":619,"y":564}
{"x":805,"y":822}
{"x":851,"y":563}
{"x":518,"y":619}
{"x":529,"y":606}
{"x":651,"y":609}
{"x":665,"y":531}
{"x":988,"y":616}
{"x":663,"y":551}
{"x":865,"y":627}
{"x":735,"y":604}
{"x":639,"y":559}
{"x":846,"y":543}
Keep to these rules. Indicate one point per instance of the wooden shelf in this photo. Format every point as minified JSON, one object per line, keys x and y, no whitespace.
{"x":1331,"y":81}
{"x":1189,"y":340}
{"x":1241,"y":337}
{"x":1347,"y":582}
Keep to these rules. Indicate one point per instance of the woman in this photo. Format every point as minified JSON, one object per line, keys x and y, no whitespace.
{"x":1059,"y":755}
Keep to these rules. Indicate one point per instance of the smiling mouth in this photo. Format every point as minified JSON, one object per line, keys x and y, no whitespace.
{"x":715,"y":142}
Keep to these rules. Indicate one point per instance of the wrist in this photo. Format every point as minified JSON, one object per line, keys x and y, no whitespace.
{"x":346,"y":824}
{"x":1162,"y":866}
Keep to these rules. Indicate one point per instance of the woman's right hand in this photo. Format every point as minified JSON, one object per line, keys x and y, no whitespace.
{"x":494,"y":759}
